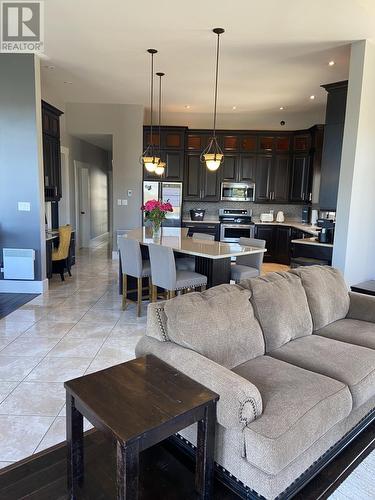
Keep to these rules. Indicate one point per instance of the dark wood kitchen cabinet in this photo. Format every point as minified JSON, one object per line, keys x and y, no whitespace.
{"x":300,"y":189}
{"x":200,"y":184}
{"x":171,"y":138}
{"x":51,"y":152}
{"x":239,"y":168}
{"x":272,"y":179}
{"x":174,"y":170}
{"x":277,"y":242}
{"x":263,"y":174}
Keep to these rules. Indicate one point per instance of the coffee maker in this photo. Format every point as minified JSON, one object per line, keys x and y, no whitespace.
{"x":326,"y":222}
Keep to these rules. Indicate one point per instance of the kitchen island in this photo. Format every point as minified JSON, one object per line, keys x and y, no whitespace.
{"x":212,"y":258}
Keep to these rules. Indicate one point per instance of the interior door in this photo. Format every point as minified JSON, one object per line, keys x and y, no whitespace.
{"x":84,"y":207}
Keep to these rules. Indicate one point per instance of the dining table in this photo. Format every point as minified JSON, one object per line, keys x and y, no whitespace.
{"x":212,"y":258}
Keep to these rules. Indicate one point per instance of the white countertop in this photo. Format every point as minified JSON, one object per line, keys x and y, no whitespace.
{"x":175,"y":238}
{"x":204,"y":221}
{"x":307,"y":228}
{"x":312,"y":241}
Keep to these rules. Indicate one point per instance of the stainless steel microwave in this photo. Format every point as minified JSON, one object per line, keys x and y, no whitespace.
{"x":237,"y":191}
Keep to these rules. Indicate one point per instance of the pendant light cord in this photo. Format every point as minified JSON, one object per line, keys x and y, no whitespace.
{"x":160,"y":76}
{"x":216,"y":82}
{"x":152,"y":101}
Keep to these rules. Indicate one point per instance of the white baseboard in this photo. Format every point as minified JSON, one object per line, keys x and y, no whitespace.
{"x":16,"y":286}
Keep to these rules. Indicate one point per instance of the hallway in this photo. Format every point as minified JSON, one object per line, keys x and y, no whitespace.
{"x":77,"y":327}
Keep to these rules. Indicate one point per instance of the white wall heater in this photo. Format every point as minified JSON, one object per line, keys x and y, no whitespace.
{"x":18,"y":263}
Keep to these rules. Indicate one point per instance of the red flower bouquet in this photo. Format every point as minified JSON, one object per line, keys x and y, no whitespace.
{"x":156,"y":211}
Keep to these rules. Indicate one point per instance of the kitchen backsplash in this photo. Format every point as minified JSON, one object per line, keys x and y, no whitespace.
{"x":212,"y":209}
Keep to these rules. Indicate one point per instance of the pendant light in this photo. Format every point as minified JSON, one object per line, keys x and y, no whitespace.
{"x":213,"y":156}
{"x":148,"y":159}
{"x":160,"y":169}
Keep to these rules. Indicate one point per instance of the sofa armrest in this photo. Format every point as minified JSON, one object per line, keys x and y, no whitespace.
{"x":361,"y":307}
{"x":240,"y":401}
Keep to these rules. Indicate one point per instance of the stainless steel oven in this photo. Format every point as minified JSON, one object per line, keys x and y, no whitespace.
{"x":235,"y":224}
{"x":237,"y":191}
{"x":231,"y":233}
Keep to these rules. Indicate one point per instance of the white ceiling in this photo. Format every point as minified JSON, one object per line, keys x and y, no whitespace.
{"x":273,"y":54}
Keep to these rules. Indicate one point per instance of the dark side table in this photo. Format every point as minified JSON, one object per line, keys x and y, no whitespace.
{"x":366,"y":287}
{"x":139,"y":404}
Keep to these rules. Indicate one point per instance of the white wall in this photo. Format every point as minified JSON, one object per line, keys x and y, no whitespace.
{"x":354,"y":249}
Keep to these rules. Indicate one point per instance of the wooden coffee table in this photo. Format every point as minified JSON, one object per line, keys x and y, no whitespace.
{"x":139,"y":404}
{"x":366,"y":287}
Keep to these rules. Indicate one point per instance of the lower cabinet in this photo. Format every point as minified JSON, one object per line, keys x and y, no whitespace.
{"x":277,"y":242}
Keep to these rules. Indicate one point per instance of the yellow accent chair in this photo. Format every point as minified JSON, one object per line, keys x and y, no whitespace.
{"x":60,"y":255}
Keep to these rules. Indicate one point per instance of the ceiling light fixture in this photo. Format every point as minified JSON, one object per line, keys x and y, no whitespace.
{"x":148,"y":158}
{"x":281,"y":108}
{"x":187,"y":106}
{"x":68,"y":83}
{"x":213,"y":156}
{"x":331,"y":63}
{"x":234,"y":108}
{"x":312,"y":97}
{"x":160,"y":168}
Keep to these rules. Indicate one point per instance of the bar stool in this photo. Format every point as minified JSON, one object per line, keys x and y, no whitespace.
{"x":188,"y":263}
{"x":133,"y":265}
{"x":60,"y":256}
{"x":165,"y":275}
{"x":248,"y":266}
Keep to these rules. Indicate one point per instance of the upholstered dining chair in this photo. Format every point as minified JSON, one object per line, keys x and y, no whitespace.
{"x":165,"y":275}
{"x":133,"y":265}
{"x":248,"y":266}
{"x":188,"y":263}
{"x":60,"y":255}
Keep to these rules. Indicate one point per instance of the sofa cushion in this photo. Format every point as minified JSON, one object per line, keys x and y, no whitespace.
{"x":298,"y":408}
{"x":351,"y":364}
{"x":218,"y":323}
{"x":352,"y":331}
{"x":326,"y":292}
{"x":281,"y":307}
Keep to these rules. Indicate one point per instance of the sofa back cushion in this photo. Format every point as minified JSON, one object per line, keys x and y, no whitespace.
{"x":280,"y":304}
{"x":327,"y":294}
{"x":218,"y":323}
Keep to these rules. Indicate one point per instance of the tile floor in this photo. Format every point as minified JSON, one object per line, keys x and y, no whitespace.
{"x":77,"y":327}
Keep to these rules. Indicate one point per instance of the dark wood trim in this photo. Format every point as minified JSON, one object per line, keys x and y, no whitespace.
{"x":301,"y":489}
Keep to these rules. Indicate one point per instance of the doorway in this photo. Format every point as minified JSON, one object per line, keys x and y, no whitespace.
{"x":83,"y":208}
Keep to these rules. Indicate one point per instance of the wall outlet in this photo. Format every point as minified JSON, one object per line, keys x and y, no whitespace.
{"x":24,"y":206}
{"x":125,"y":202}
{"x":130,"y":193}
{"x":119,"y":203}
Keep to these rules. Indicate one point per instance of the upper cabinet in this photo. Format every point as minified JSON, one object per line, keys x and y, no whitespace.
{"x":51,"y":151}
{"x":171,"y":144}
{"x":200,"y":184}
{"x":332,"y":145}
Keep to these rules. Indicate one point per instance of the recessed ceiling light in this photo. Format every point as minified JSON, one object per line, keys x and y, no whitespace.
{"x":187,"y":106}
{"x":49,"y":67}
{"x":68,"y":83}
{"x":312,"y":97}
{"x":331,"y":63}
{"x":281,"y":108}
{"x":234,"y":108}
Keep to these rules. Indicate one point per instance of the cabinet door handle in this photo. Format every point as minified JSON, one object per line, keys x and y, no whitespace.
{"x":303,"y":196}
{"x":310,"y":196}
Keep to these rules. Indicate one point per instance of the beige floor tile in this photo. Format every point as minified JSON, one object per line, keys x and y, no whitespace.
{"x":26,"y":315}
{"x":5,"y":341}
{"x":29,"y":347}
{"x":20,"y":435}
{"x":13,"y":328}
{"x":6,"y":388}
{"x":76,"y":348}
{"x":115,"y":350}
{"x":69,"y":315}
{"x":102,"y":316}
{"x":122,"y":330}
{"x":87,"y":330}
{"x":34,"y":398}
{"x":101,"y":364}
{"x":57,"y":432}
{"x":58,"y":369}
{"x":16,"y":368}
{"x":48,"y":329}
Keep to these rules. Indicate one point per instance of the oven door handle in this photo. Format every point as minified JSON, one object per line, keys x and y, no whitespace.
{"x":239,"y":226}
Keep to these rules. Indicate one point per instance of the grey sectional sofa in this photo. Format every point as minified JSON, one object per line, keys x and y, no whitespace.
{"x":292,"y":356}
